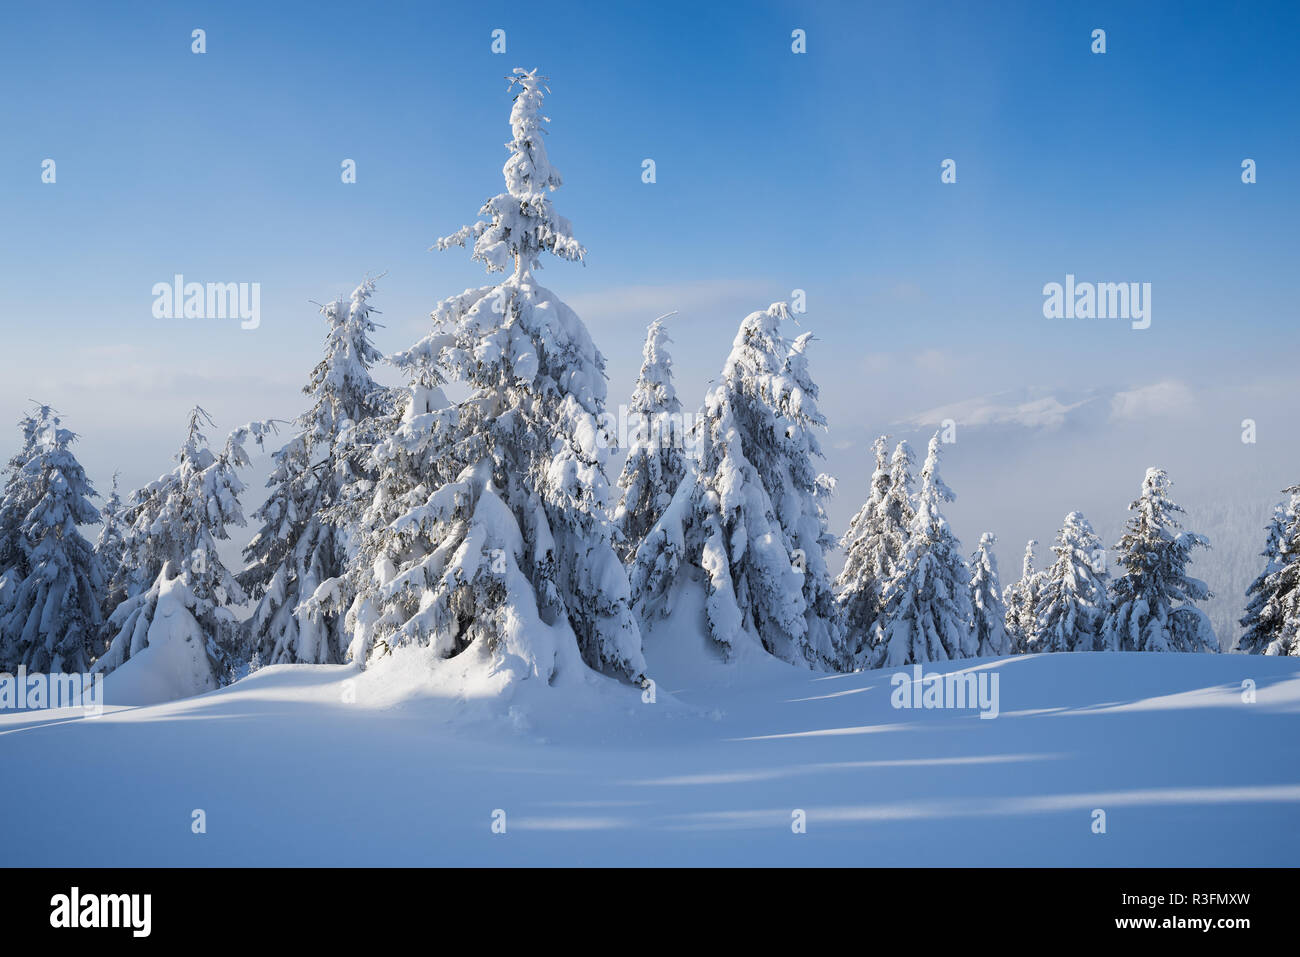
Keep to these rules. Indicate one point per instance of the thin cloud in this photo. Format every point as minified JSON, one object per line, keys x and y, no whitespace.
{"x":1160,"y":400}
{"x":644,"y":302}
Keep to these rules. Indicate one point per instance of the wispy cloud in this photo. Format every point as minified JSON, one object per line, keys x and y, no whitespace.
{"x":642,"y":303}
{"x":1047,"y":412}
{"x":1038,"y":409}
{"x":1160,"y":400}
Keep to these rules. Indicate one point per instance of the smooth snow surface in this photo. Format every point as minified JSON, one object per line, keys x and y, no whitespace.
{"x":411,"y":773}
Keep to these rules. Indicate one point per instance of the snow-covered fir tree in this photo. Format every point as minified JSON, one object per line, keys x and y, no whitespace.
{"x":395,"y":566}
{"x":857,"y":586}
{"x":928,"y":613}
{"x":1022,"y":603}
{"x":899,"y":511}
{"x":988,"y":613}
{"x":18,"y":498}
{"x":1272,"y":620}
{"x":508,"y":531}
{"x":873,"y":545}
{"x":800,"y":493}
{"x":656,"y":458}
{"x":1072,"y":591}
{"x":303,"y":540}
{"x":177,"y":591}
{"x":51,"y":615}
{"x":111,"y":542}
{"x":1259,"y":621}
{"x":749,"y":513}
{"x":1151,"y":606}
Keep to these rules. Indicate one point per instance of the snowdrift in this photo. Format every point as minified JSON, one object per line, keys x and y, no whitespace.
{"x":408,"y":764}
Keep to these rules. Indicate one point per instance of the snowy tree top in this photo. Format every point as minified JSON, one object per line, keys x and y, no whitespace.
{"x":654,"y":388}
{"x":521,"y":222}
{"x":195,"y":448}
{"x":933,"y":490}
{"x":880,"y":449}
{"x":1075,"y":522}
{"x":529,"y":169}
{"x":759,"y":348}
{"x":1156,"y":510}
{"x":40,"y":426}
{"x":902,"y":459}
{"x":1154,"y":499}
{"x":1027,"y":567}
{"x":341,"y":384}
{"x":985,"y":561}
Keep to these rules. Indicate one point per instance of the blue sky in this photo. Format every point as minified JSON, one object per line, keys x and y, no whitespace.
{"x":775,"y":171}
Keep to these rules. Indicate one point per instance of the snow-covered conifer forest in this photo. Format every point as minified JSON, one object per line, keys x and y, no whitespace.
{"x":471,"y":548}
{"x":487,"y":529}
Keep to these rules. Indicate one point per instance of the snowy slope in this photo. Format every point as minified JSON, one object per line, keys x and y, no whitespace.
{"x":411,"y":773}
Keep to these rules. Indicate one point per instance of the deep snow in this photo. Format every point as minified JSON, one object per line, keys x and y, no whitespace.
{"x":411,"y":773}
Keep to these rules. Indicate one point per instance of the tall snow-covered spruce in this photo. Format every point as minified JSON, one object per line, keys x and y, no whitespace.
{"x":656,"y":457}
{"x":749,"y":515}
{"x":872,"y":546}
{"x":1151,"y":604}
{"x":176,"y":592}
{"x":1272,"y":619}
{"x":303,"y":541}
{"x":111,"y":542}
{"x":503,"y":550}
{"x":50,"y":613}
{"x":1072,"y":594}
{"x":988,"y":613}
{"x":800,"y":493}
{"x":18,"y":498}
{"x":1022,"y":603}
{"x":929,"y":613}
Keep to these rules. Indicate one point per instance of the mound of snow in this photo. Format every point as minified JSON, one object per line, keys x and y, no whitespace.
{"x":175,"y":662}
{"x":679,"y":652}
{"x":1194,"y":758}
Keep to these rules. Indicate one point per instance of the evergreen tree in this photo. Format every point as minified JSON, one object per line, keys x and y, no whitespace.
{"x":1072,"y":595}
{"x":52,"y":613}
{"x":1272,"y":619}
{"x":928,"y":615}
{"x":988,"y":613}
{"x":177,"y":591}
{"x":656,"y":459}
{"x":873,"y":545}
{"x":857,"y":587}
{"x":749,"y":514}
{"x":1154,"y":555}
{"x":111,"y":542}
{"x":515,"y":493}
{"x":899,"y":513}
{"x":303,"y":541}
{"x":394,"y":566}
{"x":898,"y":501}
{"x":18,"y":499}
{"x":1022,"y":603}
{"x":799,"y":494}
